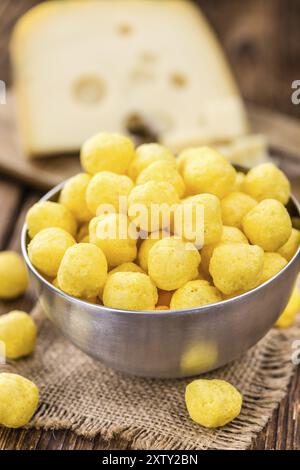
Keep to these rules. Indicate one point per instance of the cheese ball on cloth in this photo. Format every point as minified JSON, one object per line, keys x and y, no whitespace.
{"x":172,"y":263}
{"x":209,"y":172}
{"x":111,"y":234}
{"x":266,"y":181}
{"x":268,"y":225}
{"x":236,"y":267}
{"x":288,"y":315}
{"x":212,"y":403}
{"x":150,"y":205}
{"x":19,"y":398}
{"x":234,"y":207}
{"x":147,"y":154}
{"x":72,"y":196}
{"x":107,"y":188}
{"x":291,"y":246}
{"x":194,"y":294}
{"x":47,"y":249}
{"x":130,"y":291}
{"x":273,"y":263}
{"x":162,"y":170}
{"x":107,"y":152}
{"x":50,"y":214}
{"x":83,"y":271}
{"x":13,"y":275}
{"x":18,"y":332}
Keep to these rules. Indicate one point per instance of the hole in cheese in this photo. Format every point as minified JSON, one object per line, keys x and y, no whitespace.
{"x":179,"y":80}
{"x":125,"y":29}
{"x":89,"y":89}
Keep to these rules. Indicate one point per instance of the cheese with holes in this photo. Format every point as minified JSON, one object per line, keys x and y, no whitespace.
{"x":144,"y":66}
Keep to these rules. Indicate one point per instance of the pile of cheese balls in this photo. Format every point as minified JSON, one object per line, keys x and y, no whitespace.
{"x":248,"y":234}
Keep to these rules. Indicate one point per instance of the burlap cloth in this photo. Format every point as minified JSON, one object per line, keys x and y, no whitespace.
{"x":81,"y":394}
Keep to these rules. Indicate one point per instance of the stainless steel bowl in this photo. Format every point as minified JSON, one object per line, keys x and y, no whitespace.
{"x":163,"y":343}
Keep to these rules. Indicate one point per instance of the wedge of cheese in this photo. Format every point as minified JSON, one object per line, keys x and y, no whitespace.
{"x":137,"y":66}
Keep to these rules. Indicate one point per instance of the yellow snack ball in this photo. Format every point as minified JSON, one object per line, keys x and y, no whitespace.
{"x":83,"y":231}
{"x":172,"y":263}
{"x":234,"y":207}
{"x":268,"y":225}
{"x":111,"y":234}
{"x":266,"y":181}
{"x":162,"y":170}
{"x":107,"y":188}
{"x":229,"y":235}
{"x":47,"y":249}
{"x":19,"y":398}
{"x":13,"y":275}
{"x":239,"y":182}
{"x":72,"y":196}
{"x":287,"y":317}
{"x":146,"y":246}
{"x":18,"y":332}
{"x":126,"y":268}
{"x":191,"y":153}
{"x":291,"y":246}
{"x":147,"y":154}
{"x":236,"y":267}
{"x":212,"y":403}
{"x":157,"y":199}
{"x":188,"y":215}
{"x":194,"y":294}
{"x":83,"y":271}
{"x":107,"y":152}
{"x":130,"y":291}
{"x":273,"y":263}
{"x":50,"y":214}
{"x":209,"y":172}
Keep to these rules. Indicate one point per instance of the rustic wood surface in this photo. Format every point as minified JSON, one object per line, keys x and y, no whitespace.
{"x":262,"y":40}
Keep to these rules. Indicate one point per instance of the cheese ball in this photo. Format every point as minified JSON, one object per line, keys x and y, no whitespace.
{"x":47,"y":214}
{"x":19,"y":398}
{"x":236,"y":267}
{"x":47,"y":249}
{"x":273,"y":263}
{"x":172,"y":263}
{"x":212,"y":403}
{"x":266,"y":181}
{"x":191,"y":153}
{"x":229,"y":235}
{"x":126,"y":268}
{"x":234,"y":207}
{"x":291,"y":246}
{"x":209,"y":172}
{"x":107,"y":152}
{"x":162,"y":170}
{"x":130,"y":291}
{"x":72,"y":196}
{"x":198,"y":218}
{"x":111,"y":234}
{"x":288,"y":315}
{"x":107,"y":188}
{"x":83,"y":271}
{"x":13,"y":275}
{"x":268,"y":225}
{"x":146,"y":246}
{"x":194,"y":294}
{"x":147,"y":154}
{"x":239,"y":182}
{"x":150,"y":205}
{"x":18,"y":332}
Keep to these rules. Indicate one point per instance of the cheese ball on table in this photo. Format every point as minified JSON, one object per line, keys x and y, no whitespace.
{"x":147,"y":154}
{"x":209,"y":172}
{"x":47,"y":214}
{"x":236,"y":267}
{"x":18,"y":332}
{"x":83,"y":271}
{"x":288,"y":315}
{"x":162,"y":171}
{"x":47,"y":249}
{"x":268,"y":225}
{"x":266,"y":181}
{"x":291,"y":246}
{"x":130,"y":291}
{"x":111,"y":234}
{"x":194,"y":294}
{"x":107,"y":152}
{"x":13,"y":275}
{"x":106,"y":188}
{"x":234,"y":207}
{"x":19,"y":398}
{"x":273,"y":263}
{"x":212,"y":403}
{"x":72,"y":196}
{"x":172,"y":263}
